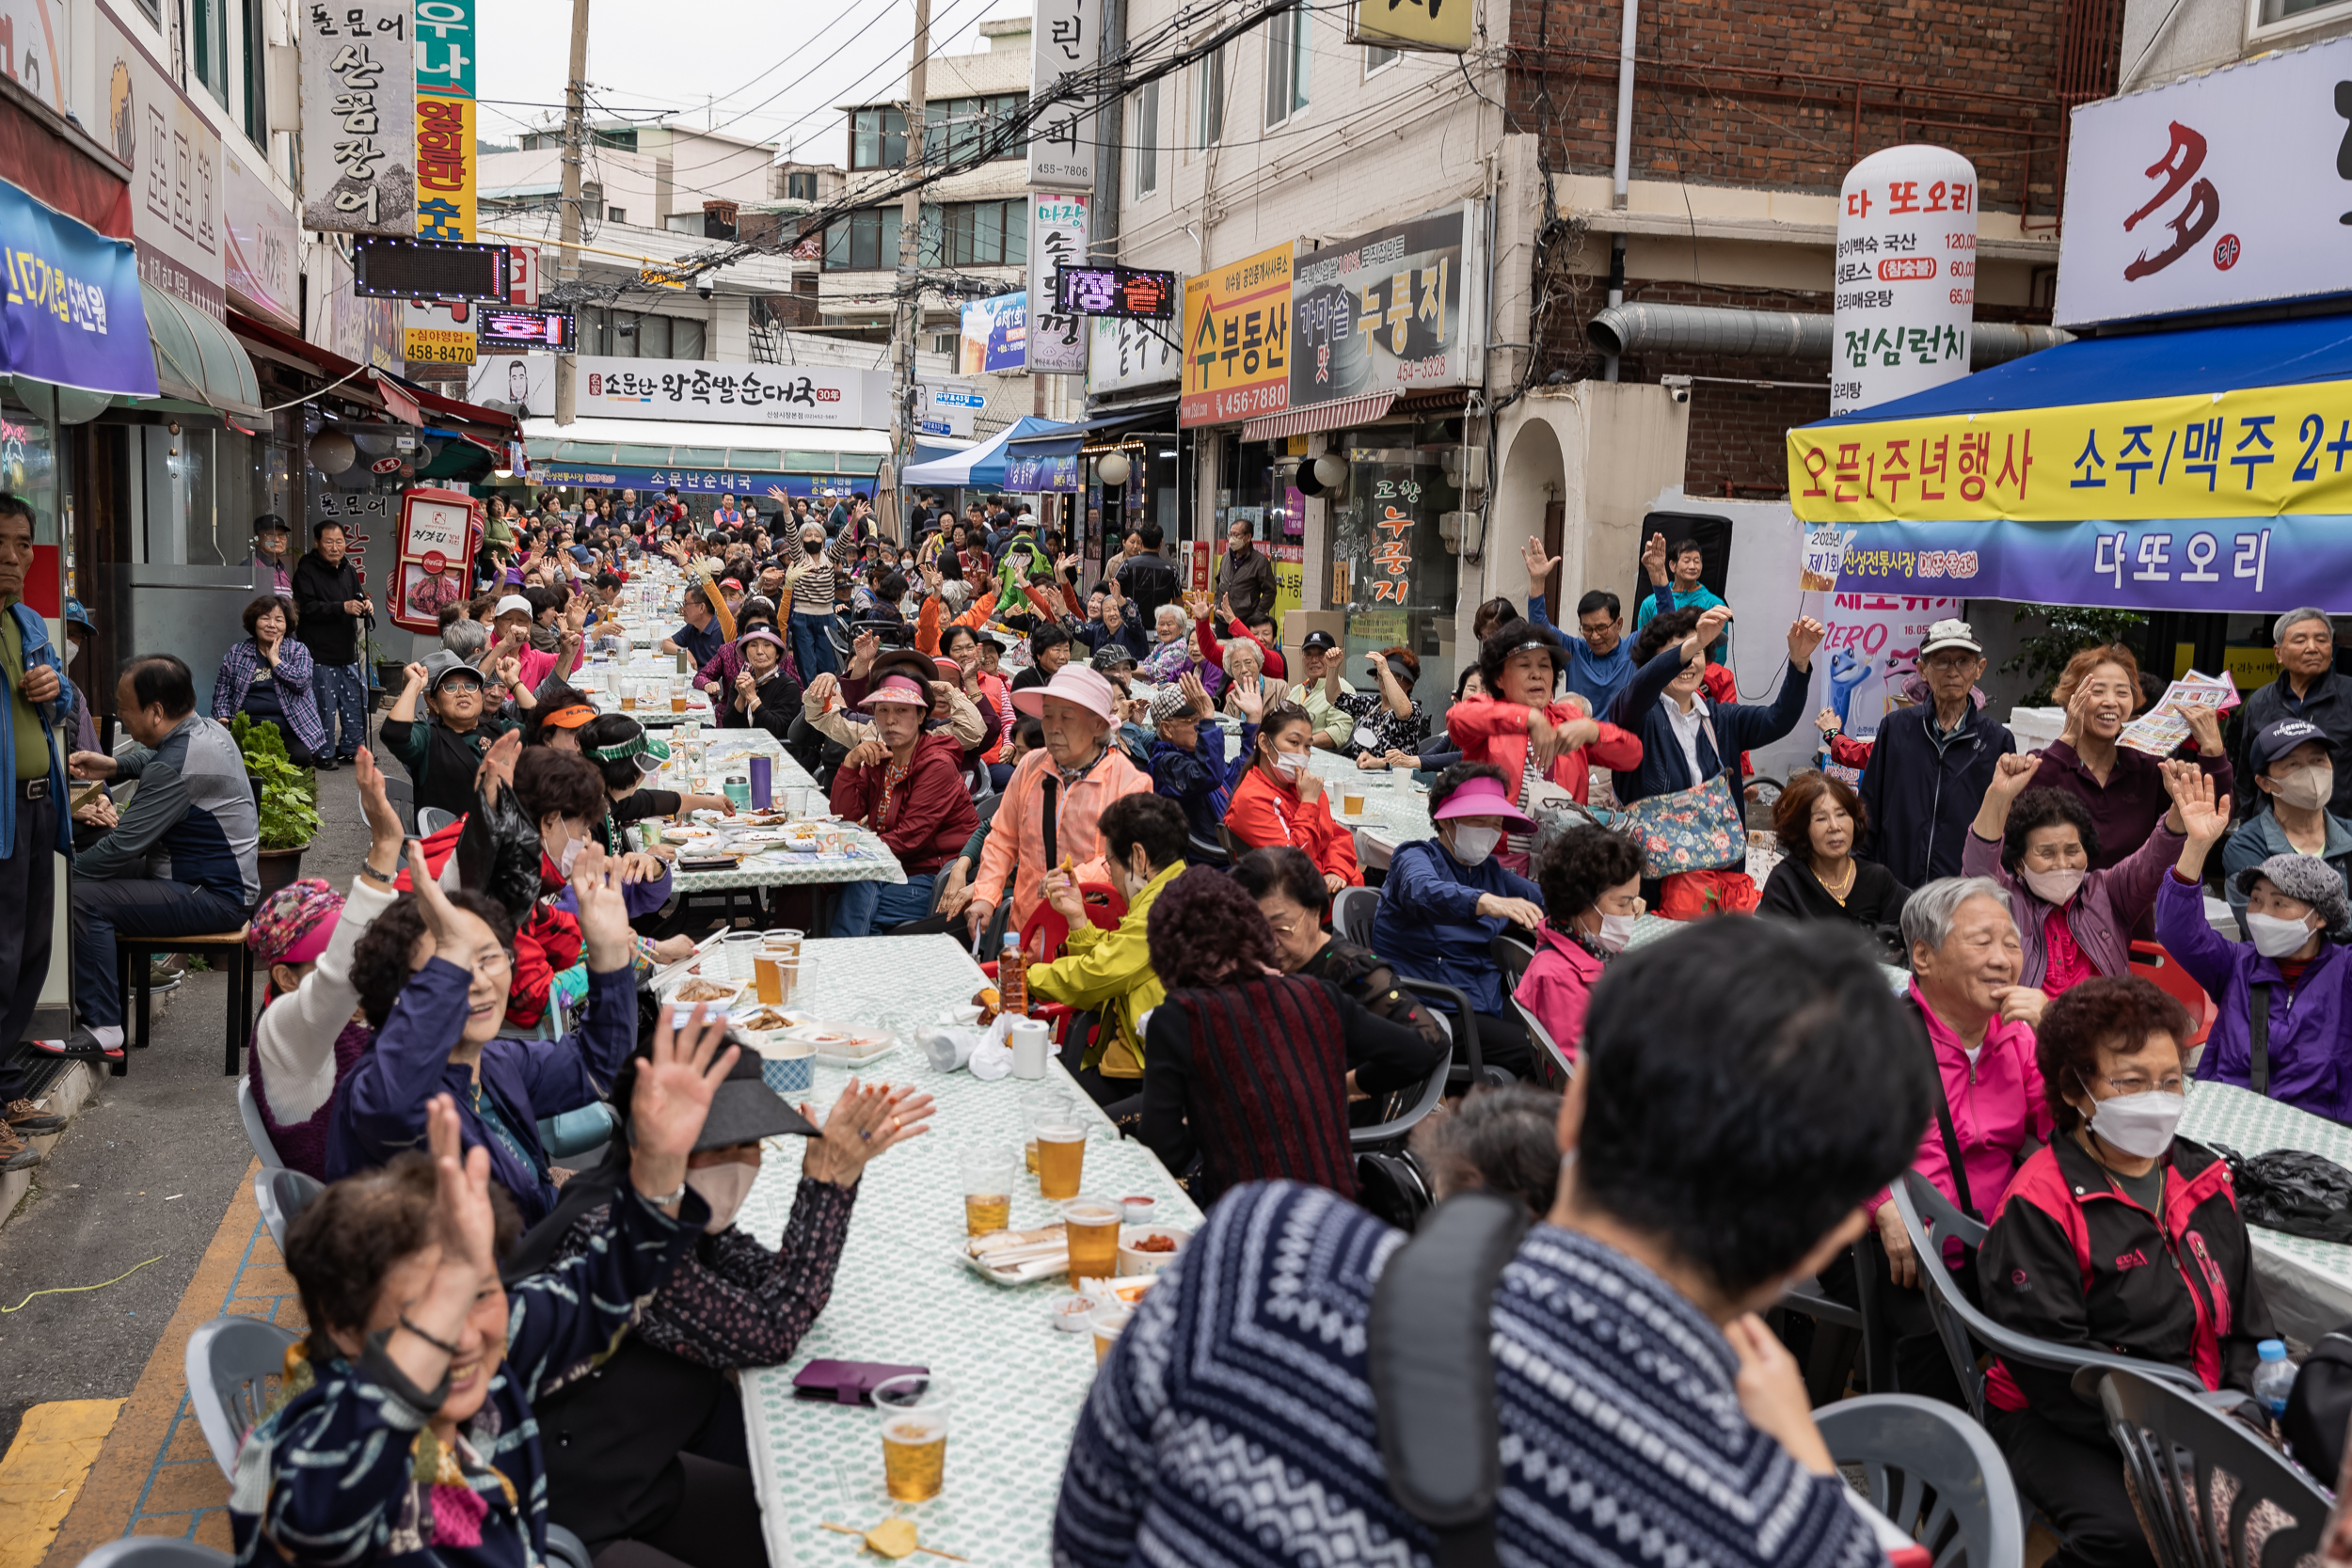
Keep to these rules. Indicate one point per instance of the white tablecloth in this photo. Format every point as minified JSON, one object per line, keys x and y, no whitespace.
{"x":901,"y":1296}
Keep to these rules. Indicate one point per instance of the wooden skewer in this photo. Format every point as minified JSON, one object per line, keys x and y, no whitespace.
{"x":844,"y":1529}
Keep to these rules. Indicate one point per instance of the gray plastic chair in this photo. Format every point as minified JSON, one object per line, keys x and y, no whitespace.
{"x":226,"y":1362}
{"x":431,"y":820}
{"x":281,"y":1194}
{"x":403,"y":797}
{"x":2210,"y":1494}
{"x":1352,"y":909}
{"x":1512,"y":957}
{"x":255,"y":1133}
{"x":156,"y":1551}
{"x":1962,"y":1326}
{"x":1934,"y":1472}
{"x":564,"y":1549}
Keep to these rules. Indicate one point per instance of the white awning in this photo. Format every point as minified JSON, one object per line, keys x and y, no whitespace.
{"x":692,"y":433}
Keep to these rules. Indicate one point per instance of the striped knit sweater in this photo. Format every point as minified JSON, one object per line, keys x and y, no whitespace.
{"x":1267,"y":1090}
{"x":1233,"y":1427}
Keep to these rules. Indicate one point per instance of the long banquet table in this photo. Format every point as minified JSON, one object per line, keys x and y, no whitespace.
{"x":902,"y":1295}
{"x":2307,"y":1283}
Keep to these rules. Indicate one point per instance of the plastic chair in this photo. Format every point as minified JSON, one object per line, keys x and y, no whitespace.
{"x":1959,"y":1322}
{"x":432,"y":820}
{"x":250,"y":1112}
{"x":564,"y":1549}
{"x":2209,"y":1493}
{"x":227,"y":1361}
{"x":1391,"y":1134}
{"x":1512,"y":957}
{"x":1352,"y":909}
{"x":158,"y":1551}
{"x":1932,"y":1471}
{"x":2150,"y":963}
{"x":1200,"y":851}
{"x":1042,"y":935}
{"x":403,"y":795}
{"x":281,"y":1194}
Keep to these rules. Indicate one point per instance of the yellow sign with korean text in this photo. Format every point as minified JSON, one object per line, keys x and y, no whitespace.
{"x":1237,"y":341}
{"x":1443,"y":25}
{"x":2260,"y":451}
{"x":437,"y":345}
{"x":446,"y":182}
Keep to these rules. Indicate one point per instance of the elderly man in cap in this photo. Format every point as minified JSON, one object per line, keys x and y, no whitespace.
{"x":2293,"y":775}
{"x":2308,"y":688}
{"x":443,"y":749}
{"x":273,"y":556}
{"x":2284,"y":996}
{"x":1320,"y":688}
{"x":512,"y":620}
{"x":1053,"y":800}
{"x":1932,"y":764}
{"x":906,"y":784}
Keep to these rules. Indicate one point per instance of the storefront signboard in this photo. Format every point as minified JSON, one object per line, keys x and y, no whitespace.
{"x":817,"y":395}
{"x":1906,"y":276}
{"x":1028,"y":475}
{"x":2224,"y":188}
{"x":1057,"y":238}
{"x":72,"y":313}
{"x":995,"y":334}
{"x":32,"y":42}
{"x":1130,"y":354}
{"x":1237,"y":341}
{"x":262,"y":267}
{"x":1394,"y":311}
{"x":445,"y":43}
{"x":432,"y":555}
{"x":1062,"y":41}
{"x":173,"y":154}
{"x":358,"y":117}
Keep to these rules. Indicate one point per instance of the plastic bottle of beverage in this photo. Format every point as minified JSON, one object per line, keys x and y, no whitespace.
{"x":1012,"y":978}
{"x":2274,"y":1377}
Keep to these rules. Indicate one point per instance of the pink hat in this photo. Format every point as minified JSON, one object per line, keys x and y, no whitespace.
{"x":896,"y":688}
{"x":1481,"y":797}
{"x":294,"y":923}
{"x":1072,"y":683}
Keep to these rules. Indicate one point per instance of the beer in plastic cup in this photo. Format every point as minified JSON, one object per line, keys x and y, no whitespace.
{"x":1107,"y":1322}
{"x":1062,"y":1151}
{"x":1351,"y":805}
{"x":1046,"y":1104}
{"x":1092,"y":1226}
{"x":914,"y":1435}
{"x":987,"y":1190}
{"x":764,"y":968}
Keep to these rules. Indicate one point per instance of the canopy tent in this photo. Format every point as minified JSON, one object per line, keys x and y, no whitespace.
{"x":2192,"y":470}
{"x":990,"y":464}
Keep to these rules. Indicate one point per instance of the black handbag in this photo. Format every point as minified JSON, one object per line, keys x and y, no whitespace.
{"x":2290,"y":1190}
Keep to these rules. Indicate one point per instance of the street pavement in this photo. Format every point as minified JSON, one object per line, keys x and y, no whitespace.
{"x":146,"y":1170}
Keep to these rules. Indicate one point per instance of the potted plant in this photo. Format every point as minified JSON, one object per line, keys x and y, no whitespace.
{"x":287,"y":796}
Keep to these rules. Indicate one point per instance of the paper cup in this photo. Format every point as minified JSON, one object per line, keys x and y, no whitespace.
{"x":787,"y":1068}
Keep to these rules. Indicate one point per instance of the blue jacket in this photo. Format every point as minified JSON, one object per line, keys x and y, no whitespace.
{"x":1919,"y":798}
{"x":380,"y":1106}
{"x":1202,"y":780}
{"x":1739,"y":726}
{"x":1595,"y":677}
{"x":1428,"y":925}
{"x":37,"y":651}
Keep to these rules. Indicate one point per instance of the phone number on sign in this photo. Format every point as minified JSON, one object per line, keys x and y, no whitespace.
{"x":441,"y":354}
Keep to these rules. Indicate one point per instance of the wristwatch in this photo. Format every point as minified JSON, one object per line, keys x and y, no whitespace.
{"x":373,"y":874}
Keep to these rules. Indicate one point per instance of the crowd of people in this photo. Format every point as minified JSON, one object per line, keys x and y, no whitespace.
{"x":1047,"y":757}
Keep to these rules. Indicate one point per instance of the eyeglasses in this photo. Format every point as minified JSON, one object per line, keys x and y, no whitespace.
{"x":2137,"y":1082}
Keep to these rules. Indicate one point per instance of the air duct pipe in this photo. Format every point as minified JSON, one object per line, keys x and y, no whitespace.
{"x":1623,"y":329}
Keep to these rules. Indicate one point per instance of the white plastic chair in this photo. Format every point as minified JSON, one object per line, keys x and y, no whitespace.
{"x":227,"y":1361}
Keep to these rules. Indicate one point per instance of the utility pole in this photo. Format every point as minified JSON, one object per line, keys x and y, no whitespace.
{"x":906,"y":316}
{"x":575,"y":144}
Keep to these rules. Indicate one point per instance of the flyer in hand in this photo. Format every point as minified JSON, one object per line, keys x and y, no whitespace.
{"x":2162,"y":731}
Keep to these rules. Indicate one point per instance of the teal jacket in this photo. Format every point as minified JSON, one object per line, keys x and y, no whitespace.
{"x":37,"y":651}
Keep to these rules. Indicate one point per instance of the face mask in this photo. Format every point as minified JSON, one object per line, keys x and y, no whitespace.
{"x":2139,"y":1124}
{"x":2306,"y":788}
{"x":724,"y":1187}
{"x":1471,"y":845}
{"x":1288,"y":761}
{"x":2275,"y":938}
{"x":812,"y":545}
{"x":2055,"y":887}
{"x":1615,"y":931}
{"x":570,"y":857}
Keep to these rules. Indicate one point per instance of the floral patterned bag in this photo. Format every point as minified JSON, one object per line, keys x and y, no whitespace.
{"x":1699,"y":829}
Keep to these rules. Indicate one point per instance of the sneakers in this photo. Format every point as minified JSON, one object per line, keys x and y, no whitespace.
{"x":25,"y":1116}
{"x":15,"y":1153}
{"x":80,"y":1046}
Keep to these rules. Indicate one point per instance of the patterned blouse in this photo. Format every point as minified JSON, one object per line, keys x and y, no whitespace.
{"x":1392,"y":731}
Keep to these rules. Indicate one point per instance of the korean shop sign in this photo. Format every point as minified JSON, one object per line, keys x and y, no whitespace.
{"x":1394,"y":310}
{"x":1062,"y":40}
{"x":1057,"y":238}
{"x":173,"y":154}
{"x":445,"y":119}
{"x":2263,"y":452}
{"x":2252,"y":565}
{"x":358,"y":117}
{"x":1442,"y":26}
{"x":1237,"y":341}
{"x":1906,"y":276}
{"x":70,"y":311}
{"x":822,"y":395}
{"x":2222,"y":189}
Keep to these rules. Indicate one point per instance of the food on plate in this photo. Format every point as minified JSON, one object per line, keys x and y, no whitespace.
{"x":989,"y":1003}
{"x":762,"y":1018}
{"x":703,"y":990}
{"x":1152,"y":1243}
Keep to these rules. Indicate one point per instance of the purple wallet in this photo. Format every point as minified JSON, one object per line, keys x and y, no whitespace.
{"x":851,"y":1382}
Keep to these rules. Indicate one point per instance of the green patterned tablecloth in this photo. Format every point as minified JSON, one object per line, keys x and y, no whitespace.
{"x":901,"y":1296}
{"x":2308,"y":1283}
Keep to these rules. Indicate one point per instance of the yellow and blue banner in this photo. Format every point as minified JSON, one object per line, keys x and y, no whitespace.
{"x":447,"y":187}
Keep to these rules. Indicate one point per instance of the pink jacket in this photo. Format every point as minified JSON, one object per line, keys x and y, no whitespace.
{"x":1997,"y":1104}
{"x":1013,"y":862}
{"x":1558,"y":987}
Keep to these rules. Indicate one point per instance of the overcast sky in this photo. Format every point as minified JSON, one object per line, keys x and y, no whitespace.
{"x":760,"y":71}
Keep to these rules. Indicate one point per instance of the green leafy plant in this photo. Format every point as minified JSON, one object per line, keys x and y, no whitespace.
{"x":2066,"y":632}
{"x":290,"y":801}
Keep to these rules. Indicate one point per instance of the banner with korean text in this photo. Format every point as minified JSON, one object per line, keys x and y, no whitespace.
{"x":73,"y":312}
{"x":445,"y":119}
{"x":359,"y":117}
{"x":1237,"y":341}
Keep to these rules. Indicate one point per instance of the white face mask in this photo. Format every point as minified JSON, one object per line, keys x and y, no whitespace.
{"x":2306,"y":788}
{"x":565,"y":861}
{"x":2138,"y":1124}
{"x":1288,"y":761}
{"x":1471,"y":845}
{"x":1615,"y":931}
{"x":2055,"y":887}
{"x":724,"y":1187}
{"x":2275,"y":938}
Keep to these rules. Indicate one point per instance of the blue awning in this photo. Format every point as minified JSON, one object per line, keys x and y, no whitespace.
{"x":2137,"y":366}
{"x":984,"y":466}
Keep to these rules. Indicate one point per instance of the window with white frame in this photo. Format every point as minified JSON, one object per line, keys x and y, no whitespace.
{"x":1145,"y":137}
{"x":2286,"y":14}
{"x":1375,"y":57}
{"x":1211,"y":72}
{"x":1285,"y":65}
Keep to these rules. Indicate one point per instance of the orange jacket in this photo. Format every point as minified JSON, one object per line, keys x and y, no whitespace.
{"x":1490,"y":729}
{"x":927,"y":623}
{"x":1264,"y":815}
{"x":1014,"y":858}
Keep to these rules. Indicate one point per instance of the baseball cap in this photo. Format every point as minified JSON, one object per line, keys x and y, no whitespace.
{"x":440,"y":666}
{"x":512,"y":604}
{"x":2275,"y":740}
{"x":1319,"y":641}
{"x":1950,"y":634}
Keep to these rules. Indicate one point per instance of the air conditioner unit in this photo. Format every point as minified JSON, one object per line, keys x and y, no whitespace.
{"x":1455,"y":529}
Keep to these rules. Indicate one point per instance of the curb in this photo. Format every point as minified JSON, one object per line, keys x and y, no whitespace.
{"x":65,"y":1098}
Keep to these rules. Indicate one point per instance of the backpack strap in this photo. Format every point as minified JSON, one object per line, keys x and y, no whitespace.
{"x":2260,"y":1036}
{"x":1944,"y":1118}
{"x":1432,"y":1371}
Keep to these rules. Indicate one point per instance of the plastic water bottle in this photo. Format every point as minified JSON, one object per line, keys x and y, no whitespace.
{"x":2274,"y":1377}
{"x":1012,"y":977}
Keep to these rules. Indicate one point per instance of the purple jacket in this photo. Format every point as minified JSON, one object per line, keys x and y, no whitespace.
{"x":2309,"y":1068}
{"x":2102,"y":918}
{"x":238,"y":667}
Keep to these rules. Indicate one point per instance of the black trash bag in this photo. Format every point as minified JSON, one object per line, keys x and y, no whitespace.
{"x":2290,"y":1190}
{"x":498,"y":852}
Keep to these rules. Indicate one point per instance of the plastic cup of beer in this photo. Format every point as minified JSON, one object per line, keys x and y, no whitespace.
{"x":987,"y":1190}
{"x":1045,"y":1104}
{"x":914,"y":1410}
{"x":627,"y":691}
{"x":1093,"y":1226}
{"x":677,"y":698}
{"x":785,"y":942}
{"x":767,"y":971}
{"x":1062,"y":1152}
{"x":1109,"y":1321}
{"x":1351,"y":805}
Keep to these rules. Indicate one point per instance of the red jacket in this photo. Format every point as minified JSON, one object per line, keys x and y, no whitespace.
{"x":1489,"y":730}
{"x":549,"y":940}
{"x":926,"y":819}
{"x":2073,"y":1260}
{"x":1264,"y":815}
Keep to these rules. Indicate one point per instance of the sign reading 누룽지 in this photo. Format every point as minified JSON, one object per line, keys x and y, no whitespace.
{"x":1126,"y":353}
{"x":1394,"y":311}
{"x":2220,"y":189}
{"x":358,"y":117}
{"x":818,"y":395}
